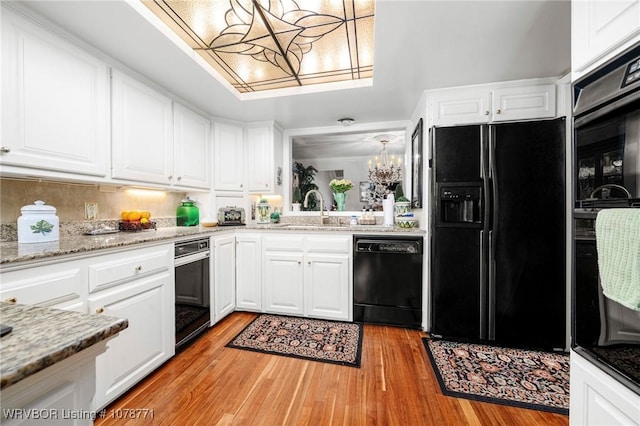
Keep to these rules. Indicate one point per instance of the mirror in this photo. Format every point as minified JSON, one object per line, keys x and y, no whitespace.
{"x":341,"y":153}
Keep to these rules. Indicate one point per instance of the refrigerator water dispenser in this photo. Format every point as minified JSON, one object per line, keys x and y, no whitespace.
{"x":460,"y":204}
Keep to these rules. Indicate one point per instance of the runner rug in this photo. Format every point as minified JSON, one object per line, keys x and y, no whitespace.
{"x":316,"y":340}
{"x":517,"y":377}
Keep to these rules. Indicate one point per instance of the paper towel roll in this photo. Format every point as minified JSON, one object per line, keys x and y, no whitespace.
{"x":387,"y":208}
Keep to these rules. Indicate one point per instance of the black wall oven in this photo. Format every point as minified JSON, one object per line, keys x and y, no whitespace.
{"x":192,"y":300}
{"x":606,"y":175}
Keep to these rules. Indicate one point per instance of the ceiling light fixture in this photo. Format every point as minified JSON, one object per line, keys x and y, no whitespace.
{"x":262,"y":45}
{"x":346,"y":121}
{"x":384,"y":172}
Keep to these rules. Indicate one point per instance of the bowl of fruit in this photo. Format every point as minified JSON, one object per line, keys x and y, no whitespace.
{"x":136,"y":220}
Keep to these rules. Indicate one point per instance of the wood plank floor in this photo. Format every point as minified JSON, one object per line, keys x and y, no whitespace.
{"x":209,"y":384}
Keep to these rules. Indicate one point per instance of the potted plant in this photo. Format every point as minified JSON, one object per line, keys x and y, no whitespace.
{"x":297,"y":199}
{"x":306,"y":176}
{"x":340,"y":188}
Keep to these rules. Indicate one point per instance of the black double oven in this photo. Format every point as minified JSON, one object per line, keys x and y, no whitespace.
{"x":606,"y":175}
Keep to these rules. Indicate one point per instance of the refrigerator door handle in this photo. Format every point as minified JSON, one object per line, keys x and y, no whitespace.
{"x":483,"y":288}
{"x":491,"y":290}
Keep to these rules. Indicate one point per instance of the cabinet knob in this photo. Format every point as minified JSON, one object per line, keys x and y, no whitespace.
{"x":100,"y":310}
{"x":299,"y":263}
{"x":138,"y":268}
{"x":498,"y":111}
{"x":12,"y":300}
{"x":179,"y":177}
{"x":486,"y":112}
{"x":240,"y":185}
{"x":309,"y":262}
{"x":5,"y":149}
{"x":170,"y":177}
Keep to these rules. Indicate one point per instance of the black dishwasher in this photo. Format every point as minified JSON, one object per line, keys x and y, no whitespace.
{"x":387,"y":280}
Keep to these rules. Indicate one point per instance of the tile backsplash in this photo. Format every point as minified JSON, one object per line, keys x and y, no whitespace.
{"x":69,"y":199}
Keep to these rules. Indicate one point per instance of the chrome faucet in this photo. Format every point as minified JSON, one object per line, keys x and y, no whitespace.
{"x":323,"y":218}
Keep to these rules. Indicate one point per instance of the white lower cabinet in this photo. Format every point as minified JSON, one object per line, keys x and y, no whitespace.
{"x":327,"y":286}
{"x":598,"y":399}
{"x":62,"y":286}
{"x":54,"y":395}
{"x":283,"y":283}
{"x":137,"y":285}
{"x":224,"y":276}
{"x":249,"y":272}
{"x":144,"y":345}
{"x":308,"y":275}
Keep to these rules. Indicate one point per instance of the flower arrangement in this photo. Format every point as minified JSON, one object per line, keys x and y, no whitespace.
{"x":341,"y":185}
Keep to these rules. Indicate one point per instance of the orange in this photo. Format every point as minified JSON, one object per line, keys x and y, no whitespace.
{"x":145,"y":214}
{"x":133,"y":215}
{"x":124,"y":214}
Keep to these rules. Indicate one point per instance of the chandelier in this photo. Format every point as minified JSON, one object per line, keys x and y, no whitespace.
{"x":384,"y":172}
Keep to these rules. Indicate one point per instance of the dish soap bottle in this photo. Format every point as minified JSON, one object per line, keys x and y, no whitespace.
{"x":187,"y":213}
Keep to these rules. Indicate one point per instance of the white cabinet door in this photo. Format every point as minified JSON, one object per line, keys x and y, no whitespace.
{"x":598,"y":399}
{"x":142,"y":136}
{"x":192,"y":148}
{"x":599,"y":26}
{"x":264,"y":158}
{"x":62,"y":285}
{"x":327,"y":286}
{"x":55,"y":102}
{"x":283,"y":283}
{"x":228,"y":159}
{"x":224,"y":276}
{"x":523,"y":102}
{"x":249,"y":272}
{"x":145,"y":344}
{"x":461,"y":106}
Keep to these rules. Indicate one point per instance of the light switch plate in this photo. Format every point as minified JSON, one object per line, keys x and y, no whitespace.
{"x":90,"y":211}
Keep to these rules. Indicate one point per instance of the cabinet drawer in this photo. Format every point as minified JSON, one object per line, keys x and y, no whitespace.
{"x":332,"y":244}
{"x":122,"y":267}
{"x":46,"y":287}
{"x":283,"y":243}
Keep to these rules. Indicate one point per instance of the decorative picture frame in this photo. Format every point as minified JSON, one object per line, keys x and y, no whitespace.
{"x":365,"y":188}
{"x":416,"y":166}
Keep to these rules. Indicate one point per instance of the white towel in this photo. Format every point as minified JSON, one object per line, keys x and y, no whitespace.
{"x":618,"y":243}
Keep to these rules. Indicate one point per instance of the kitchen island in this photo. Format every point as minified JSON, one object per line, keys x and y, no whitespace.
{"x":47,"y":369}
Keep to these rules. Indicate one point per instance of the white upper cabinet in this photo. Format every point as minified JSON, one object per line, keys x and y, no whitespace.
{"x":599,"y":27}
{"x":264,"y":158}
{"x":493,"y":103}
{"x":228,"y":143}
{"x":192,"y":148}
{"x":55,"y":102}
{"x":523,"y":102}
{"x":458,"y":106}
{"x":142,"y":126}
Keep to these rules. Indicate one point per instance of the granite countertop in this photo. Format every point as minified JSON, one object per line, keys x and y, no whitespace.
{"x":12,"y":252}
{"x":42,"y":337}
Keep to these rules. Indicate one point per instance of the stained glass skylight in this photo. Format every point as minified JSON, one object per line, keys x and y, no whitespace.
{"x":259,"y":45}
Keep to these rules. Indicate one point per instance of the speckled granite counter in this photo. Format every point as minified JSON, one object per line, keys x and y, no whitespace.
{"x":12,"y":252}
{"x":42,"y":337}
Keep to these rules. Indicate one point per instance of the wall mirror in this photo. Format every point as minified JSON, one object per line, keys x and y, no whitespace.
{"x":322,"y":154}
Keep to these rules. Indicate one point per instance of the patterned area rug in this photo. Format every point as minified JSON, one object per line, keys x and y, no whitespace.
{"x":317,"y":340}
{"x":522,"y":378}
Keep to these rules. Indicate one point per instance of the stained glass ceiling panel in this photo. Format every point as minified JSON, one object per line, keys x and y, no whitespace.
{"x":259,"y":45}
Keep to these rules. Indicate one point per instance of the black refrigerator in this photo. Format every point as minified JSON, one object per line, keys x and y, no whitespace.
{"x":498,"y":233}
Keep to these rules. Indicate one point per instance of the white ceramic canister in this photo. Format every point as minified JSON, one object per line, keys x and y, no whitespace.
{"x":38,"y":224}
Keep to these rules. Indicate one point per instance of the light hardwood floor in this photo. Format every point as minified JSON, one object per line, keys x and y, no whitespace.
{"x":210,"y":384}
